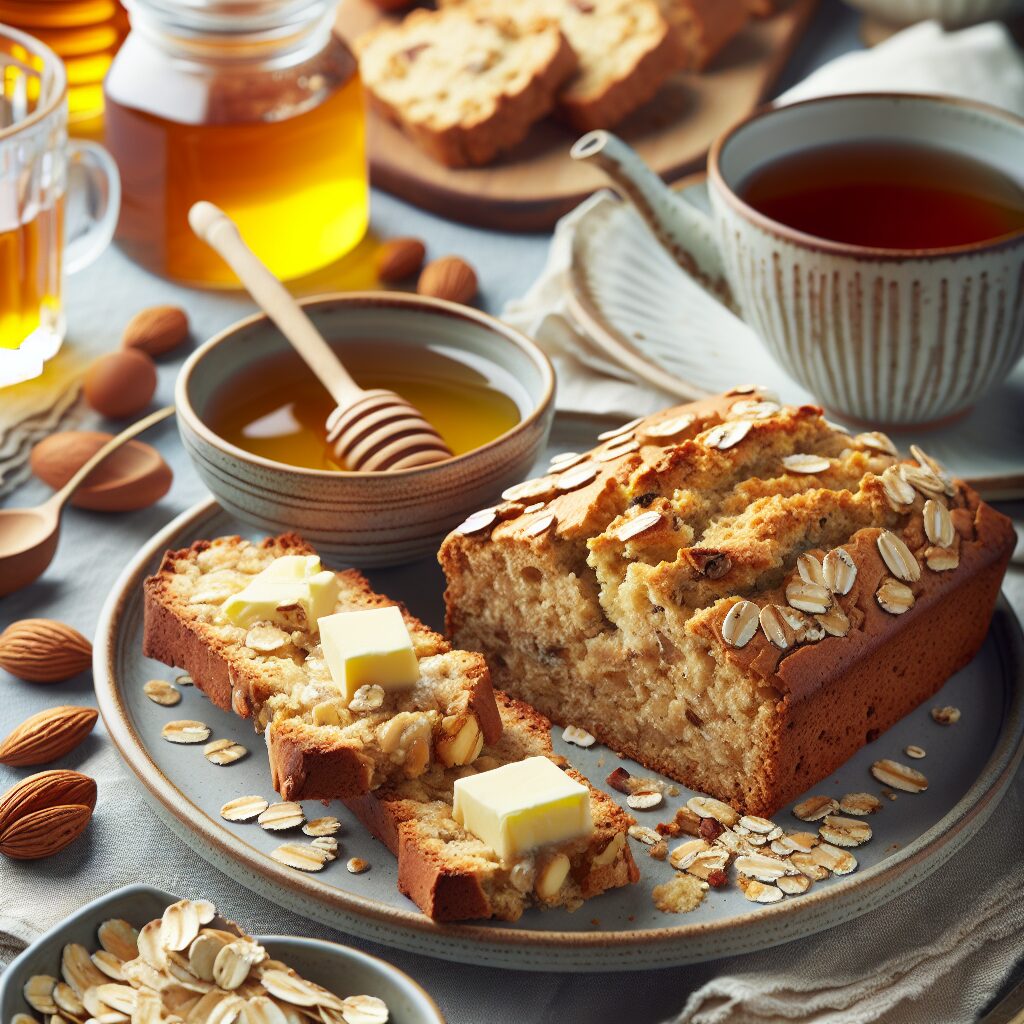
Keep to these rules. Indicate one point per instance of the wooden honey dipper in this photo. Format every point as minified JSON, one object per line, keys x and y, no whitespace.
{"x":370,"y":430}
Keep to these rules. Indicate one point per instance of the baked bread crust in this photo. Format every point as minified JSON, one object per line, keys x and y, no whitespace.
{"x":623,"y":634}
{"x":308,"y":760}
{"x":625,"y":48}
{"x":504,"y":72}
{"x":450,"y":883}
{"x":705,"y":27}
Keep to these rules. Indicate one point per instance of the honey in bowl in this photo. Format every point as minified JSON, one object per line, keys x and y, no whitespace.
{"x":887,"y":195}
{"x":277,"y":409}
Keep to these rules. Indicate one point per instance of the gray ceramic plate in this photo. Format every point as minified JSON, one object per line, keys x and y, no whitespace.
{"x":342,"y":970}
{"x":650,"y":317}
{"x":968,"y":765}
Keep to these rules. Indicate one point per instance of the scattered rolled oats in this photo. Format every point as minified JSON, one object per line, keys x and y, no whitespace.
{"x":119,"y":938}
{"x":875,"y":440}
{"x":947,"y":715}
{"x":761,"y":867}
{"x":922,"y":479}
{"x":328,"y":844}
{"x":914,"y":751}
{"x":301,"y":856}
{"x":356,"y":865}
{"x":795,"y":842}
{"x":159,"y":691}
{"x":897,"y":489}
{"x":186,"y":731}
{"x":806,"y":864}
{"x":644,"y":800}
{"x":740,"y":623}
{"x":244,"y":808}
{"x":540,"y":525}
{"x":809,"y":569}
{"x":844,"y":831}
{"x":800,"y":463}
{"x":759,"y":892}
{"x":835,"y":621}
{"x":686,"y":853}
{"x":860,"y":804}
{"x":941,"y":559}
{"x":638,"y":524}
{"x":938,"y":523}
{"x":363,"y":1010}
{"x":709,"y":807}
{"x":668,"y":429}
{"x":793,"y":885}
{"x":575,"y":735}
{"x":367,"y":698}
{"x":775,"y":627}
{"x":894,"y":597}
{"x":839,"y":862}
{"x":281,"y":816}
{"x":38,"y":993}
{"x":326,"y":826}
{"x":899,"y":776}
{"x":224,"y":752}
{"x":643,"y":834}
{"x":936,"y":467}
{"x":839,"y":571}
{"x":726,"y":435}
{"x":754,"y":823}
{"x":814,"y":808}
{"x":756,"y":409}
{"x":808,"y":596}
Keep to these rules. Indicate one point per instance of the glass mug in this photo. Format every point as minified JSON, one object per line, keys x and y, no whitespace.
{"x":46,"y":228}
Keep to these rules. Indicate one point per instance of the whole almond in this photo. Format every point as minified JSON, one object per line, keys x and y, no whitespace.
{"x":47,"y":735}
{"x":44,"y":832}
{"x":46,"y":789}
{"x":43,"y":650}
{"x":400,"y":258}
{"x":120,"y":384}
{"x":156,"y":330}
{"x":448,"y":278}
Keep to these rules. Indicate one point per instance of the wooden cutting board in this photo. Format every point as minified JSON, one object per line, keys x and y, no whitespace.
{"x":530,"y":187}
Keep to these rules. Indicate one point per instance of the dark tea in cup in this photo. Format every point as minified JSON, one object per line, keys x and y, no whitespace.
{"x":887,"y":194}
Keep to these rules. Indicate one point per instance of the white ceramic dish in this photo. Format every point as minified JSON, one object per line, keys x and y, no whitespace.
{"x":969,"y":767}
{"x":342,"y":969}
{"x":647,"y":315}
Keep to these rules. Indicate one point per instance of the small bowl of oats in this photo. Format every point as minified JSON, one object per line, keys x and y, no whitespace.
{"x":116,"y":955}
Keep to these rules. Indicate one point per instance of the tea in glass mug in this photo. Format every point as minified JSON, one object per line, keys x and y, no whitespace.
{"x":45,"y":230}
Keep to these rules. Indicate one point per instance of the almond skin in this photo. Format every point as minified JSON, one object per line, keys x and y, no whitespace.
{"x":156,"y":330}
{"x":44,"y":832}
{"x":43,"y":651}
{"x":45,"y":789}
{"x":120,"y":384}
{"x":448,"y":278}
{"x":47,"y":736}
{"x":399,"y":259}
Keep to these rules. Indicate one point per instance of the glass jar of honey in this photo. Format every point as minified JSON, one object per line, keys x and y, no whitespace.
{"x":254,"y":105}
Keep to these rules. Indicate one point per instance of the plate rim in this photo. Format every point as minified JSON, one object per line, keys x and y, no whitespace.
{"x":508,"y":947}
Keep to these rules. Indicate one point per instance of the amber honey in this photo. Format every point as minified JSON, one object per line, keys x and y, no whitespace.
{"x":30,"y":276}
{"x":277,"y":409}
{"x":85,"y":34}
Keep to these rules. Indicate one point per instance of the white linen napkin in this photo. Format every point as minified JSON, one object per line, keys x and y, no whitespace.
{"x":980,"y":63}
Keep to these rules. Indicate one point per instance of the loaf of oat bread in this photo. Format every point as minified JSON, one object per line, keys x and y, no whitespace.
{"x":463,"y":85}
{"x":453,"y":876}
{"x":704,"y":26}
{"x":735,"y":594}
{"x":319,"y":748}
{"x":625,"y":48}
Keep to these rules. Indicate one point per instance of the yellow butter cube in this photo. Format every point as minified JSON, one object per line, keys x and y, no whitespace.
{"x":367,"y":647}
{"x":291,"y":581}
{"x":521,"y":806}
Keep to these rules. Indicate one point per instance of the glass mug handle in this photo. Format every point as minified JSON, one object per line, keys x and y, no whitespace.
{"x":91,"y":205}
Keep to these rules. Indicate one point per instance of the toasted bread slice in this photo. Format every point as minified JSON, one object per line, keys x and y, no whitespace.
{"x":453,"y":876}
{"x":462,"y":85}
{"x":705,"y":27}
{"x":319,"y":748}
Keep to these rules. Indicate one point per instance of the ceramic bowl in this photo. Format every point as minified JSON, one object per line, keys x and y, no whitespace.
{"x":370,"y":519}
{"x":952,"y":13}
{"x":343,"y":970}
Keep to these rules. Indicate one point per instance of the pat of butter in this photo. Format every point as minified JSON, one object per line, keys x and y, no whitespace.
{"x":521,"y":806}
{"x":288,"y":583}
{"x":371,"y":646}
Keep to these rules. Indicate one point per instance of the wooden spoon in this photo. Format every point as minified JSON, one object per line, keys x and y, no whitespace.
{"x":369,"y":431}
{"x":28,"y":536}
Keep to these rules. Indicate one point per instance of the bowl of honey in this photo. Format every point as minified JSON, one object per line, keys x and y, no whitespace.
{"x":252,"y":418}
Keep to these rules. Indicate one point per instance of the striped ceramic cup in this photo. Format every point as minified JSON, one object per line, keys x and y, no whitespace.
{"x":886,"y":336}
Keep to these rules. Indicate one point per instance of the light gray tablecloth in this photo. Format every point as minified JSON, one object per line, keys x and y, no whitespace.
{"x":95,"y":547}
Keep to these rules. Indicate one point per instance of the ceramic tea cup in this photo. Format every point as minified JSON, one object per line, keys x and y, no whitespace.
{"x":885,"y":336}
{"x":369,"y":519}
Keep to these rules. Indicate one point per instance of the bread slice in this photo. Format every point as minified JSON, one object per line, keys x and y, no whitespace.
{"x":465,"y":86}
{"x":704,"y":27}
{"x":453,"y":876}
{"x":318,"y":748}
{"x":625,"y":48}
{"x":665,"y":608}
